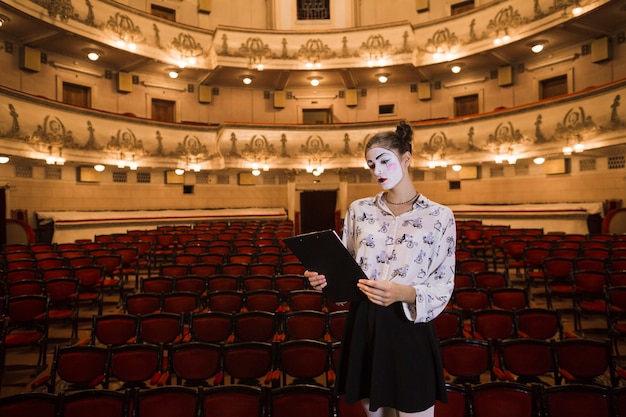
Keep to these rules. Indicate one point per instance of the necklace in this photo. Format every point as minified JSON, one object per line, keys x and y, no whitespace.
{"x":404,"y":202}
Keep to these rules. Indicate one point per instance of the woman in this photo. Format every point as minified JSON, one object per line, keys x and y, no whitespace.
{"x":405,"y":243}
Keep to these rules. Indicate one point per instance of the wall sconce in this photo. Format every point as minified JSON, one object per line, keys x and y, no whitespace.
{"x":441,"y":162}
{"x":54,"y":160}
{"x":179,"y":171}
{"x":4,"y":20}
{"x":173,"y":72}
{"x":510,"y":157}
{"x":578,"y":147}
{"x":93,"y":54}
{"x":456,"y":168}
{"x":255,"y":170}
{"x":382,"y":78}
{"x":315,"y":168}
{"x":537,"y":46}
{"x":456,"y":68}
{"x":98,"y":167}
{"x":315,"y":81}
{"x":502,"y":39}
{"x":247,"y":79}
{"x":539,"y":160}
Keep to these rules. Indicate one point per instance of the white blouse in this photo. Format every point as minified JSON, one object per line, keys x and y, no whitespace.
{"x":415,"y":248}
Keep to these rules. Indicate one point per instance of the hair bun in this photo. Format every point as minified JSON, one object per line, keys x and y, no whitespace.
{"x":404,"y":131}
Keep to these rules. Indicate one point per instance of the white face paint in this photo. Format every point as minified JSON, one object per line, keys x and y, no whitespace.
{"x":385,"y":166}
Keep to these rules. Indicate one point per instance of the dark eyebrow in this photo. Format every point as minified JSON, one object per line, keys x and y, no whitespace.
{"x":381,"y":155}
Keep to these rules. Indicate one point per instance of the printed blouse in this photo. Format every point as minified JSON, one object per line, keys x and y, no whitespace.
{"x":415,"y":248}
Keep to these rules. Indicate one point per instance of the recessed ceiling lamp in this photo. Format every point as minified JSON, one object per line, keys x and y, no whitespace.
{"x":93,"y":54}
{"x":247,"y":79}
{"x":456,"y":68}
{"x":315,"y":81}
{"x":537,"y":46}
{"x":577,"y":10}
{"x":4,"y":19}
{"x":173,"y":72}
{"x":382,"y":78}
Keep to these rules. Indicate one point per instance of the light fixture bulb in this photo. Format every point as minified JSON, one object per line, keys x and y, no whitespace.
{"x":579,"y":147}
{"x":536,"y":48}
{"x":315,"y":82}
{"x":133,"y":166}
{"x":93,"y":55}
{"x":577,"y":11}
{"x":455,"y":69}
{"x":4,"y":19}
{"x":256,"y":172}
{"x":383,"y":78}
{"x":539,"y":160}
{"x":456,"y":168}
{"x":179,"y":171}
{"x":247,"y":80}
{"x":4,"y":159}
{"x":173,"y":74}
{"x":98,"y":167}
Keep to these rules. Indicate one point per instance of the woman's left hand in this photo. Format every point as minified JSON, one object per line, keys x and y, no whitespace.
{"x":385,"y":293}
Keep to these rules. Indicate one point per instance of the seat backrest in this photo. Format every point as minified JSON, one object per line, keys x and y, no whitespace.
{"x":539,"y":323}
{"x":233,"y":401}
{"x":114,"y":329}
{"x":194,"y":363}
{"x":492,"y":399}
{"x":169,"y":400}
{"x":30,"y":404}
{"x":576,"y":400}
{"x":211,"y":326}
{"x":95,"y":403}
{"x":259,"y":326}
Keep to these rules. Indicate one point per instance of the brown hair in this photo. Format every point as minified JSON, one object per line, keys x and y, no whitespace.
{"x":399,"y":141}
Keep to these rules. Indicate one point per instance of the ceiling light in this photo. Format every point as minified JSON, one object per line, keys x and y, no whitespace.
{"x":537,"y":46}
{"x":247,"y":79}
{"x":382,"y":78}
{"x":456,"y":68}
{"x":93,"y":54}
{"x":173,"y":72}
{"x":99,"y":167}
{"x":4,"y":159}
{"x":4,"y":19}
{"x":315,"y":81}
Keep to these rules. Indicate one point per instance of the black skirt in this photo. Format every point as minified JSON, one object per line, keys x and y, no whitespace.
{"x":390,"y":360}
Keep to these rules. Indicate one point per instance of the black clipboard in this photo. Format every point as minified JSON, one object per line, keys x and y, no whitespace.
{"x":324,"y":252}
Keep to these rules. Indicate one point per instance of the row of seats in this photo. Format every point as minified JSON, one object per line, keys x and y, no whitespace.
{"x":529,"y":360}
{"x":216,"y":327}
{"x":217,"y":401}
{"x":145,"y":365}
{"x":486,"y":399}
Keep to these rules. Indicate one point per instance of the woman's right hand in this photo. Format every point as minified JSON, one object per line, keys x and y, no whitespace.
{"x":316,"y":281}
